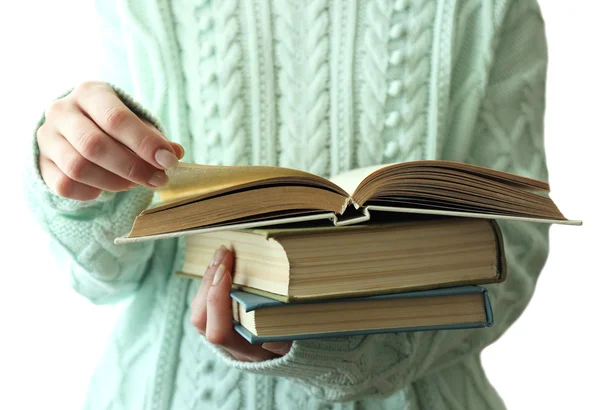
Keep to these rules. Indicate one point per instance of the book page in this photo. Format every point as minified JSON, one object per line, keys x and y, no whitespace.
{"x":194,"y":180}
{"x":457,"y":187}
{"x":350,"y":180}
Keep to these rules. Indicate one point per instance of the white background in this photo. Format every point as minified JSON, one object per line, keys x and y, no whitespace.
{"x":50,"y":338}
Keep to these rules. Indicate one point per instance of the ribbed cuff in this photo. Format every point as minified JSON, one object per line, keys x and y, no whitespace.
{"x":336,"y":369}
{"x":301,"y":364}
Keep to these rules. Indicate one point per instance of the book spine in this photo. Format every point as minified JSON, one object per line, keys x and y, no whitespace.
{"x":489,"y":315}
{"x":501,"y":258}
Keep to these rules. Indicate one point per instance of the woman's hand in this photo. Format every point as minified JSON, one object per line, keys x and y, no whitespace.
{"x":212,"y":315}
{"x":91,"y":142}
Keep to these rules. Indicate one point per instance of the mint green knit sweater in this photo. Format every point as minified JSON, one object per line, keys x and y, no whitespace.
{"x":323,"y":86}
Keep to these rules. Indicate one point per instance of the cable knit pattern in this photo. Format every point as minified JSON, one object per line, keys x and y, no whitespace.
{"x":343,"y":25}
{"x":231,"y":106}
{"x":197,"y":23}
{"x":197,"y":73}
{"x":302,"y":47}
{"x":324,"y":85}
{"x":316,"y":126}
{"x":373,"y":91}
{"x":408,"y":80}
{"x":261,"y":78}
{"x":288,"y":61}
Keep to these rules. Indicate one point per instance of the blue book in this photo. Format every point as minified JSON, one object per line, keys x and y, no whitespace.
{"x":260,"y":319}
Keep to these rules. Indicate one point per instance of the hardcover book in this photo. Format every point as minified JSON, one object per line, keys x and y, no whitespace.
{"x":202,"y":198}
{"x":259,"y":319}
{"x":334,"y":262}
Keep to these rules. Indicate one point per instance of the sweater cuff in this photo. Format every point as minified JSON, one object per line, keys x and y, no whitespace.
{"x":301,"y":363}
{"x":337,"y":369}
{"x":48,"y":198}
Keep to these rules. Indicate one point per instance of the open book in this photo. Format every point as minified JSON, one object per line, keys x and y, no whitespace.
{"x":201,"y":198}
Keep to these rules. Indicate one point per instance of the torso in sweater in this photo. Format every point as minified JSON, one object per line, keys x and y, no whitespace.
{"x":323,"y":86}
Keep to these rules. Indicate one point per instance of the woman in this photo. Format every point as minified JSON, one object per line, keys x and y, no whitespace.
{"x":323,"y":86}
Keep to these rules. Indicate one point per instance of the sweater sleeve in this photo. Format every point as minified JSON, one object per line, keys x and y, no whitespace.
{"x":507,"y":135}
{"x":82,"y":232}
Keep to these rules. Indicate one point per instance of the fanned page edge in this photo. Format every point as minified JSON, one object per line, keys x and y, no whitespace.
{"x":244,"y":225}
{"x":461,"y":167}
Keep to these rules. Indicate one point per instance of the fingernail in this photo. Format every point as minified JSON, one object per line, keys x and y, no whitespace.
{"x":277,"y":347}
{"x":219,"y":274}
{"x":180,"y":151}
{"x":166,"y":159}
{"x":158,"y":179}
{"x":218,"y":256}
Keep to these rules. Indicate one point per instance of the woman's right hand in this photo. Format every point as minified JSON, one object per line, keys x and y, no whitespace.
{"x":91,"y":142}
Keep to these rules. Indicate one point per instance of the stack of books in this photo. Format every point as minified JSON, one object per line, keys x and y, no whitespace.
{"x":407,"y":250}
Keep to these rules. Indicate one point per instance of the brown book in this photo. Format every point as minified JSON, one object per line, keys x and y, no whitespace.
{"x":203,"y":198}
{"x":334,"y":262}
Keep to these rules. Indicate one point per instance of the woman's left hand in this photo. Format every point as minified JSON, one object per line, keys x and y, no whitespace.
{"x":213,"y":317}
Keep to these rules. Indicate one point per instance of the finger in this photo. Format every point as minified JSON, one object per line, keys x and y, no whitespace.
{"x":105,"y":108}
{"x":279,"y":348}
{"x":99,"y":148}
{"x":64,"y":186}
{"x":219,"y":321}
{"x":198,"y":316}
{"x":57,"y":149}
{"x":179,"y":151}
